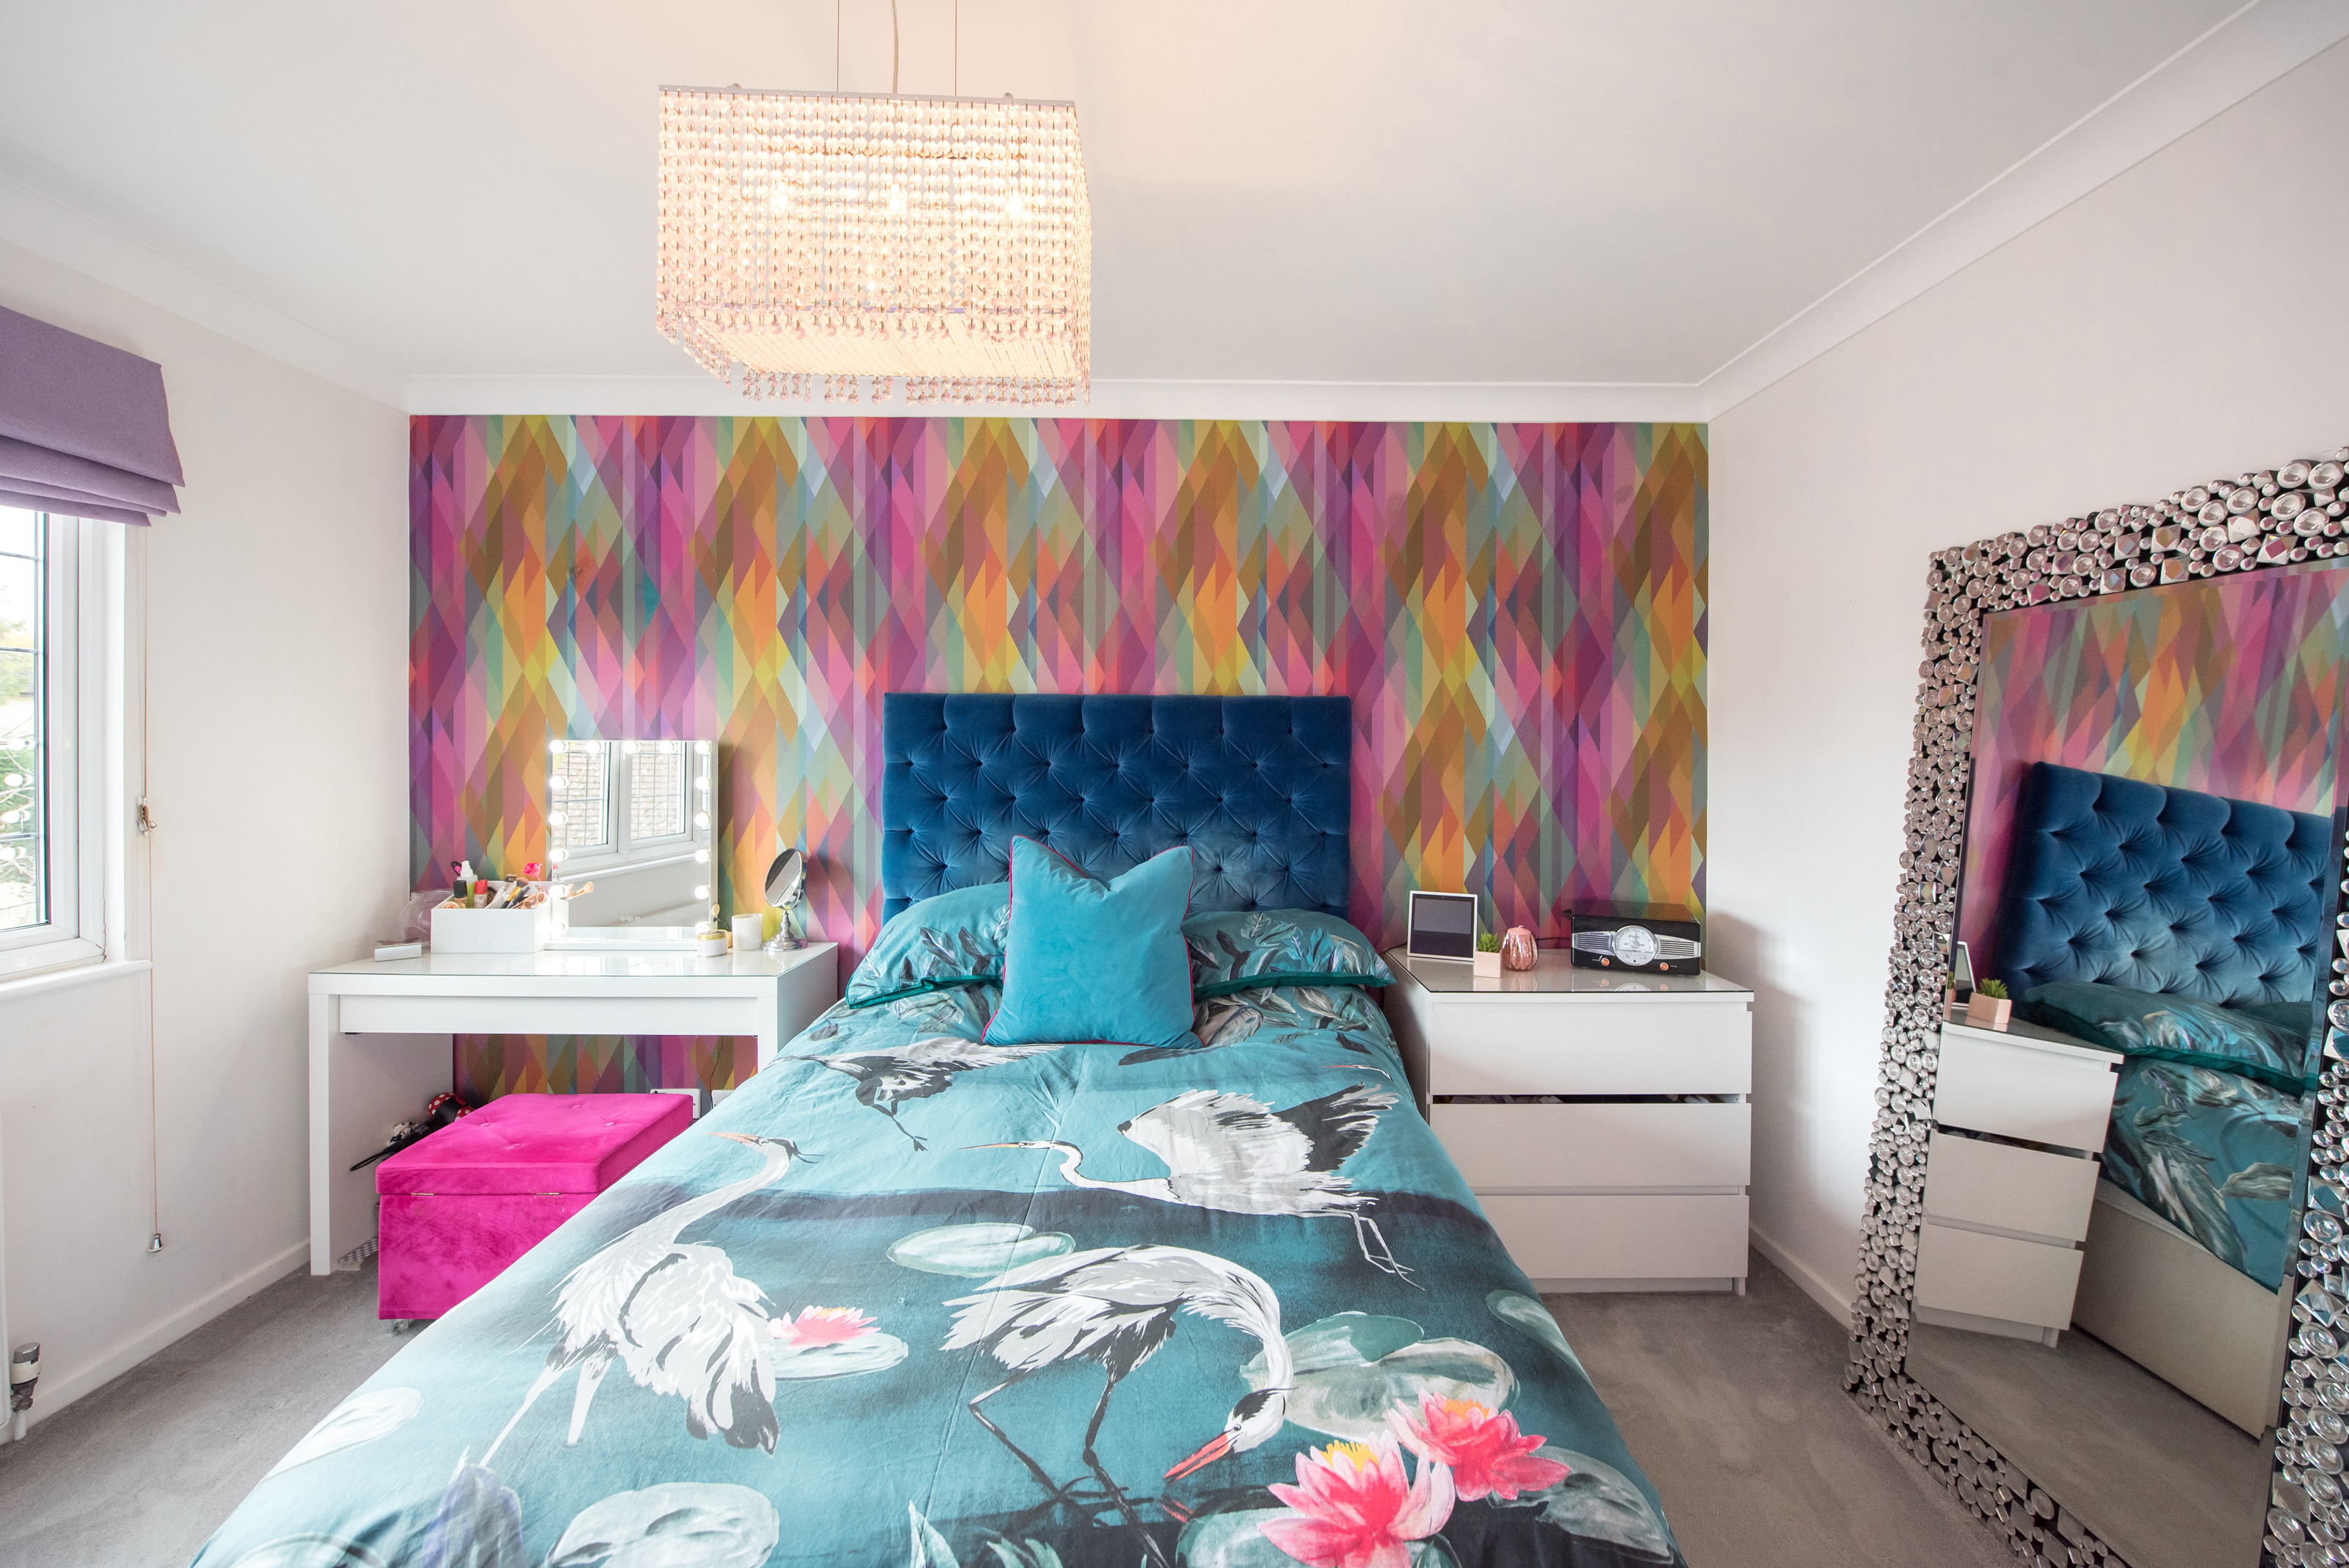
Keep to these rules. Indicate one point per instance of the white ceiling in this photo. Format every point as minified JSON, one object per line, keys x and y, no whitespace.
{"x":437,"y":200}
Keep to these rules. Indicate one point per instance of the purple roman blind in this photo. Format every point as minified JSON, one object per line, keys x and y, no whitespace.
{"x":84,"y":429}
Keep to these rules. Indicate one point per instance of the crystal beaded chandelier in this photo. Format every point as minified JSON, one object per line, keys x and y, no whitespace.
{"x":845,"y":238}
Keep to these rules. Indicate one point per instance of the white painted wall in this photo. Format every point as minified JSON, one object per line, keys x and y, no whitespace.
{"x":277,"y":769}
{"x":2184,"y":321}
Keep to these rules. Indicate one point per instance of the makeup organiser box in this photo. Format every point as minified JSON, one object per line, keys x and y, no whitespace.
{"x":491,"y":930}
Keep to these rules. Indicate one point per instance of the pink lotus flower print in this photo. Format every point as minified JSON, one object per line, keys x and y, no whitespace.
{"x":816,"y":1326}
{"x":1486,"y":1455}
{"x":1352,"y":1507}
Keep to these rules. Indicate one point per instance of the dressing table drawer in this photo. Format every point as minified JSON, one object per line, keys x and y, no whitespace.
{"x":2037,"y":1086}
{"x":1605,"y":1144}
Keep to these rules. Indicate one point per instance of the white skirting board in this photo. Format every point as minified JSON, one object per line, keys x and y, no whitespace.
{"x":92,"y":1375}
{"x":1833,"y":1297}
{"x":2159,"y":1298}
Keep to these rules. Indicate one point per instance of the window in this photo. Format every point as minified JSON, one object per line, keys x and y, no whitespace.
{"x":50,"y":712}
{"x":615,"y":801}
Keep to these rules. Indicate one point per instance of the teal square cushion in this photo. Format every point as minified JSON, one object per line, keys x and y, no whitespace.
{"x":1089,"y":960}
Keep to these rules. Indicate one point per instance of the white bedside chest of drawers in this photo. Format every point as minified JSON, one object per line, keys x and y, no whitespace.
{"x":1603,"y":1120}
{"x":2011,"y":1170}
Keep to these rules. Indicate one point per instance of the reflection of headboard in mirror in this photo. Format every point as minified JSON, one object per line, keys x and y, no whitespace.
{"x":1258,"y":787}
{"x":635,"y":818}
{"x":2167,"y":890}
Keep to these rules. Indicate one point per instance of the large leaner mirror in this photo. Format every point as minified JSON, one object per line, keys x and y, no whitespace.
{"x":2101,"y":1268}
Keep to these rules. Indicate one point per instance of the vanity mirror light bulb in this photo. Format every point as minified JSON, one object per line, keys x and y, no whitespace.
{"x":701,"y":856}
{"x":702,"y":891}
{"x":555,"y":855}
{"x":700,"y":819}
{"x":627,"y":748}
{"x":702,"y":747}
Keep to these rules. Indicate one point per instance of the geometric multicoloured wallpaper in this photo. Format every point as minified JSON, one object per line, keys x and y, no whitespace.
{"x":2229,"y":685}
{"x":1518,"y":612}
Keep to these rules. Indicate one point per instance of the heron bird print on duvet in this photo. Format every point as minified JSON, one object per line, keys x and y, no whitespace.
{"x":1231,"y":1308}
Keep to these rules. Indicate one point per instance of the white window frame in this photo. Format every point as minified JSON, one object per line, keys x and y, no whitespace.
{"x":84,"y":580}
{"x":621,"y":847}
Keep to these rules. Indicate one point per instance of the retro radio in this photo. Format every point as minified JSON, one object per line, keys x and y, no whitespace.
{"x":1642,"y":940}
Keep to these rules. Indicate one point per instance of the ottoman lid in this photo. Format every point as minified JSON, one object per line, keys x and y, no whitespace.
{"x":538,"y":1143}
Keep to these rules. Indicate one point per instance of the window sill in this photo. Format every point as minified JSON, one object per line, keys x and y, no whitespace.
{"x":64,"y":978}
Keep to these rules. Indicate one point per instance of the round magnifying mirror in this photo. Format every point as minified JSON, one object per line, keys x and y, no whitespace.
{"x":786,"y":889}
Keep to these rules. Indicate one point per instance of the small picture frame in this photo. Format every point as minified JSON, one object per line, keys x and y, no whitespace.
{"x":1442,"y":926}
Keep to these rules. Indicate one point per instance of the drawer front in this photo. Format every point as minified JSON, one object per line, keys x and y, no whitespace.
{"x":1537,"y":1149}
{"x":1996,"y":1276}
{"x":2013,"y":1189}
{"x":1662,"y":1237}
{"x":1621,"y":1046}
{"x":2017,"y":1092}
{"x":552,"y":1014}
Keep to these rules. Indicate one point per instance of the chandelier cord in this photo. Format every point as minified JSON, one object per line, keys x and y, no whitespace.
{"x":835,"y":46}
{"x":893,"y":49}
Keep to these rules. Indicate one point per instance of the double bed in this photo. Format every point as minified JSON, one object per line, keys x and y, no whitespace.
{"x":910,"y":1297}
{"x":2187,"y":931}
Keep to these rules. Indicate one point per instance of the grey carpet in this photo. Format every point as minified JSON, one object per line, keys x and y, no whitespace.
{"x":1735,"y":1410}
{"x":1734,"y":1407}
{"x":138,"y":1474}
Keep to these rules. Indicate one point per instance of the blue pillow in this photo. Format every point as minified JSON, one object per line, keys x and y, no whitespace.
{"x":937,"y":944}
{"x":1092,"y":961}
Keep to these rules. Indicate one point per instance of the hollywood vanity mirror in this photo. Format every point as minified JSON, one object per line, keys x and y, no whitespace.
{"x":2100,"y":1271}
{"x":635,"y":819}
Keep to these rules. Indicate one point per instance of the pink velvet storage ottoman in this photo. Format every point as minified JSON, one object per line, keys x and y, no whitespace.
{"x":461,"y":1205}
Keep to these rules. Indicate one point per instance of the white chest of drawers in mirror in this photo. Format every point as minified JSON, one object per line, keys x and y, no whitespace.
{"x":1603,"y":1120}
{"x":2011,"y":1178}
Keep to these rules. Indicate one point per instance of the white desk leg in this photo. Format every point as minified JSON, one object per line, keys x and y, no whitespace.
{"x":325,"y":1017}
{"x":770,"y":1030}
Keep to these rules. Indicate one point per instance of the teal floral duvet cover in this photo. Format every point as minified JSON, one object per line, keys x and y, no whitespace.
{"x":2209,"y":1114}
{"x":909,"y":1299}
{"x":2213,"y":1153}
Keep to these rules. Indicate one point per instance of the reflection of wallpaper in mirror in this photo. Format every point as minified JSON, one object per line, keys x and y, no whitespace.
{"x":2228,"y":685}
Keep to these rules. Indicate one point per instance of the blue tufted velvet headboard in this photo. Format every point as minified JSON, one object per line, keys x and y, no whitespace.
{"x":1257,"y":787}
{"x":2167,"y":890}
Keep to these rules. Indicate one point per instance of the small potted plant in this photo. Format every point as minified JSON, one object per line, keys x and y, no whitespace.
{"x":1990,"y":1007}
{"x":1488,"y":955}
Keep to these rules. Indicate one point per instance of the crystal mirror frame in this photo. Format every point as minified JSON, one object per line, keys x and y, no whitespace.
{"x":2253,"y":522}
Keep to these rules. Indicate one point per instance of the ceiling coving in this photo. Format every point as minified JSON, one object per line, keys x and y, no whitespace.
{"x":840,"y":240}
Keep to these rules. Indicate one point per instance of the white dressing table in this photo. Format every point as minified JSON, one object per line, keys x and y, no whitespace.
{"x":380,"y":1038}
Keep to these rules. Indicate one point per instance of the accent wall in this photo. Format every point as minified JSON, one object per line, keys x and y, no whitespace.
{"x":2229,"y":685}
{"x":1518,"y":612}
